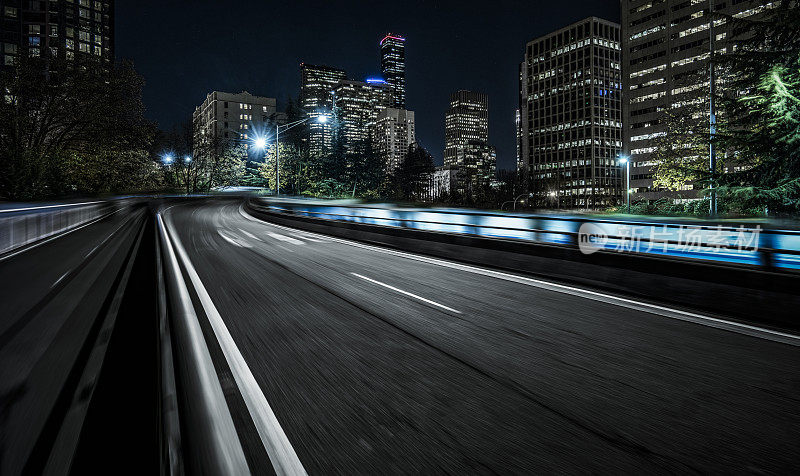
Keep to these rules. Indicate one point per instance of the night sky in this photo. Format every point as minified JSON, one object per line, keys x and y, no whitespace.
{"x":185,"y":49}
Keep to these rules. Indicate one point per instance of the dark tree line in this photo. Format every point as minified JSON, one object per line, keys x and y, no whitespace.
{"x":73,"y":129}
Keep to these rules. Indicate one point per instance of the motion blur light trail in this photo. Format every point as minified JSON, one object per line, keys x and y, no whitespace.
{"x":335,"y":356}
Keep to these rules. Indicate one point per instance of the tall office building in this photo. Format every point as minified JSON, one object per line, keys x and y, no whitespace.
{"x":71,"y":30}
{"x":356,"y":107}
{"x":394,"y":135}
{"x":518,"y":130}
{"x":667,"y":44}
{"x":393,"y":66}
{"x":316,"y":99}
{"x":570,"y":116}
{"x":227,"y":118}
{"x":466,"y":135}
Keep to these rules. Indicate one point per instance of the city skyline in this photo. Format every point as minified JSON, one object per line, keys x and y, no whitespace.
{"x":446,"y":51}
{"x":256,"y":285}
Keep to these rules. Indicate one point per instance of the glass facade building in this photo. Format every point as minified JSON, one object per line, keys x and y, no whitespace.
{"x":356,"y":108}
{"x":667,"y":44}
{"x":393,"y":67}
{"x":64,"y":29}
{"x":394,"y":135}
{"x":466,"y":135}
{"x":570,"y":116}
{"x":316,"y":98}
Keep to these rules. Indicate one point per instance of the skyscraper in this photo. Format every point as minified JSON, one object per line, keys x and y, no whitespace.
{"x":393,"y":66}
{"x":570,"y":116}
{"x":394,"y":135}
{"x":80,"y":29}
{"x":667,"y":46}
{"x":356,"y":107}
{"x":517,"y":127}
{"x":466,"y":135}
{"x":316,"y":98}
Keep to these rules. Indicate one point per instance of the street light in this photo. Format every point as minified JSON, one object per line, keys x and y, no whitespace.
{"x":519,"y":196}
{"x":187,"y":160}
{"x":554,"y":194}
{"x":625,"y":160}
{"x":261,"y":143}
{"x":515,"y":200}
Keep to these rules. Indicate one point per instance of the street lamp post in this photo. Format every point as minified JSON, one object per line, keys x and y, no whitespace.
{"x":261,"y":143}
{"x":167,"y":161}
{"x":518,"y":197}
{"x":627,"y":161}
{"x":515,"y":200}
{"x":712,"y":116}
{"x":187,"y":161}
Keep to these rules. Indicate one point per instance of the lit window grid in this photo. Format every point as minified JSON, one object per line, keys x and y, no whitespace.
{"x":671,"y":59}
{"x":579,"y":155}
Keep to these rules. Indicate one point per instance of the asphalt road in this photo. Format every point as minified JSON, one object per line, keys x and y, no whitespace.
{"x":376,"y":363}
{"x":50,"y":299}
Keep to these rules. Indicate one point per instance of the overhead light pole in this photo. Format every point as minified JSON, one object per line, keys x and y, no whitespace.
{"x":520,"y":196}
{"x":625,"y":160}
{"x":187,"y":162}
{"x":712,"y":116}
{"x":261,"y":143}
{"x":167,"y":160}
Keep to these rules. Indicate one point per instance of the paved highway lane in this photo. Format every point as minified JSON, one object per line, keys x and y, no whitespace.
{"x":375,"y":362}
{"x":50,"y":299}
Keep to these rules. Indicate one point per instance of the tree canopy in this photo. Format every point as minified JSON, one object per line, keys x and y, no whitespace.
{"x":73,"y":129}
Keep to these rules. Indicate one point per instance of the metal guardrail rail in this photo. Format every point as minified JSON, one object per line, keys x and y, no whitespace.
{"x":25,"y":225}
{"x":749,"y":245}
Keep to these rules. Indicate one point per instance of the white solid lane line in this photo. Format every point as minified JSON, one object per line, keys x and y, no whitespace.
{"x":281,"y":453}
{"x":432,"y":303}
{"x":664,"y":311}
{"x":285,"y":238}
{"x":211,"y":401}
{"x":59,"y":279}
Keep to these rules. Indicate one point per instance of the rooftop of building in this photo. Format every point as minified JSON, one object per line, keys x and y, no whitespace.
{"x":392,"y":36}
{"x":574,"y":24}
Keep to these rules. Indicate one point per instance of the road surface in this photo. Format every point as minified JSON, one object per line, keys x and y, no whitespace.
{"x":378,"y":362}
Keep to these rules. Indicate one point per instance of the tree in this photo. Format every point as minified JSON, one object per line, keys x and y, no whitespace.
{"x":412,"y":179}
{"x":682,"y":151}
{"x":757,"y":117}
{"x":763,"y":129}
{"x":291,"y":168}
{"x":68,"y":129}
{"x":227,"y":169}
{"x":216,"y":162}
{"x":366,"y":171}
{"x":512,"y":185}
